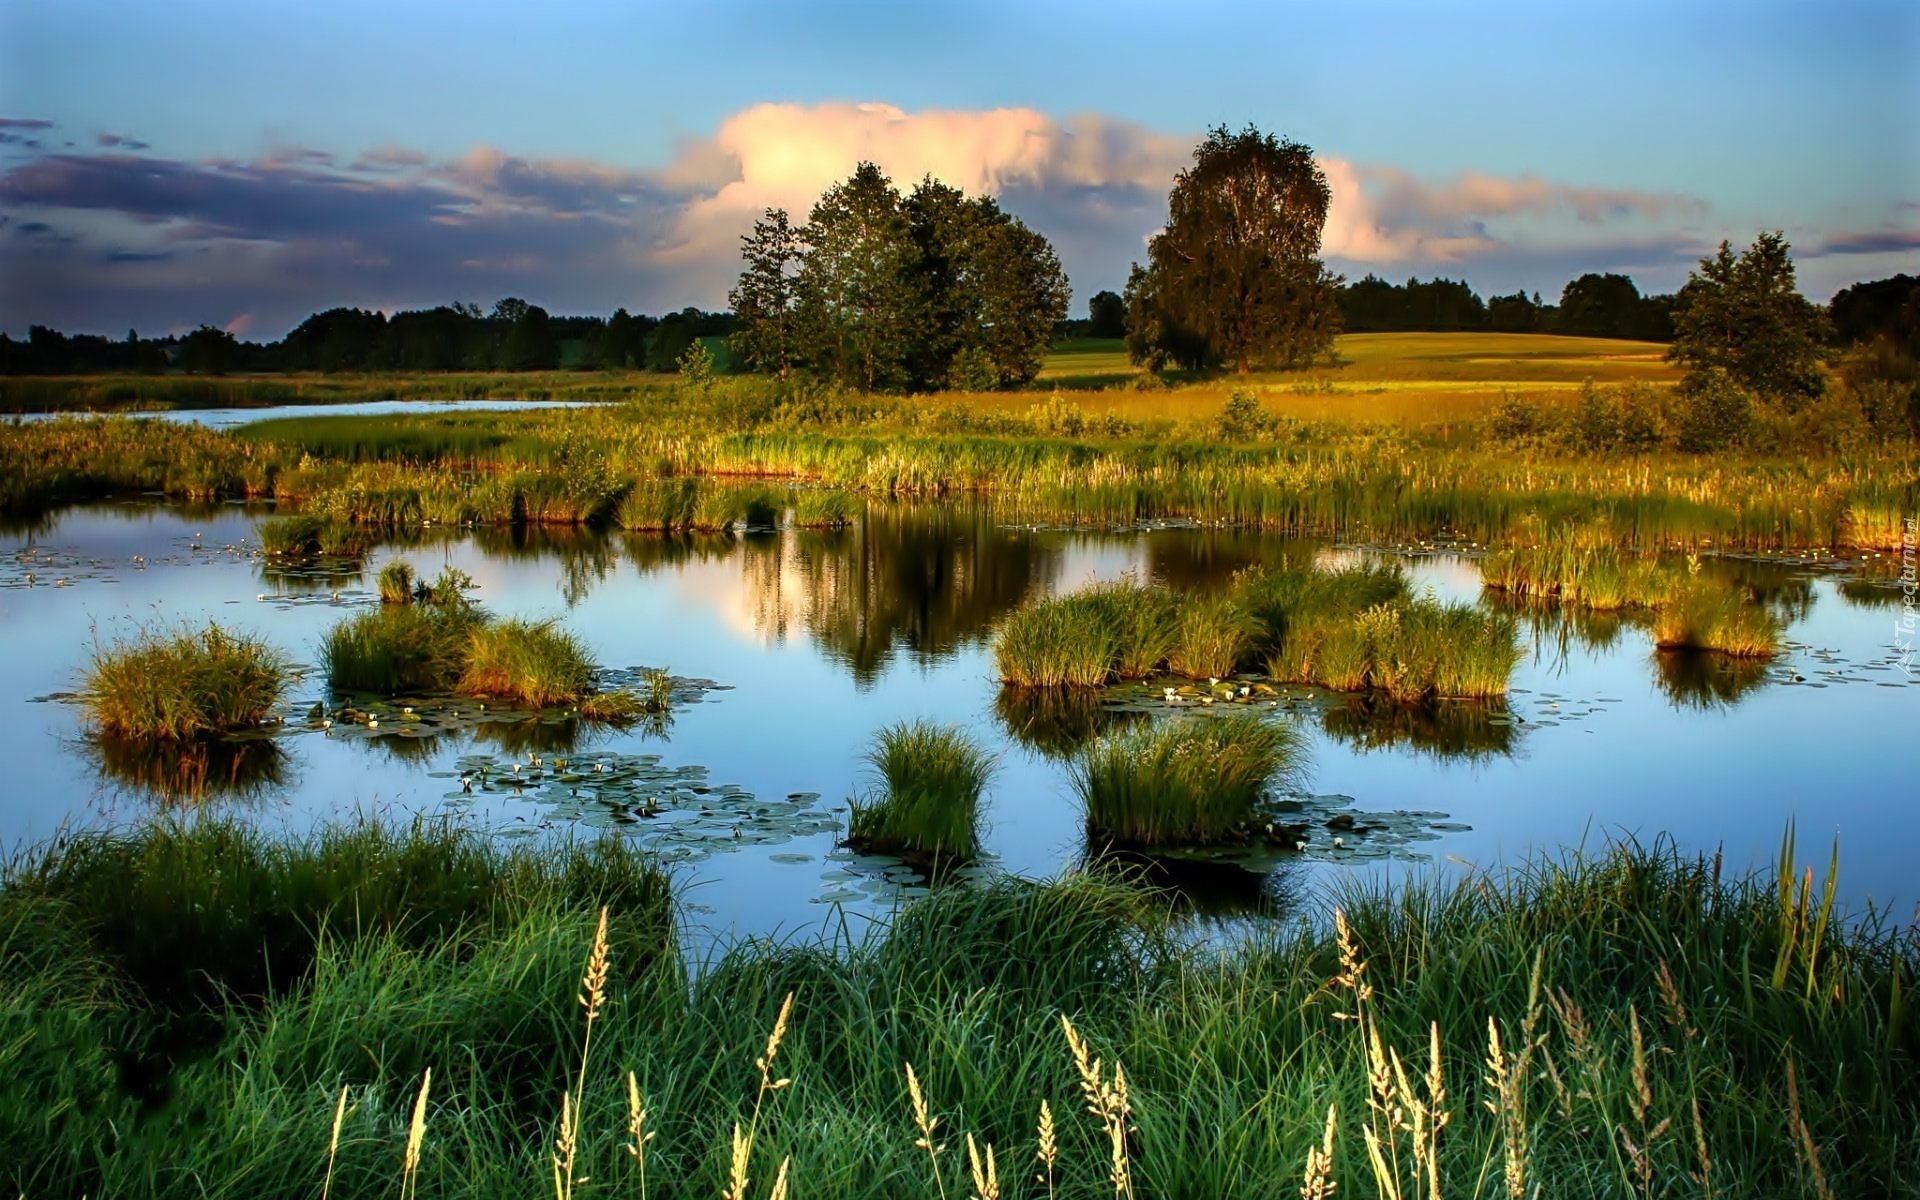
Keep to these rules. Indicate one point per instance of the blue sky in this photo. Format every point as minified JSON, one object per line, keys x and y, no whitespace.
{"x":275,"y":158}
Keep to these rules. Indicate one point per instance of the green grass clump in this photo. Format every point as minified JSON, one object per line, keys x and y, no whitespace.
{"x":1058,"y":641}
{"x":659,"y":505}
{"x":534,"y":662}
{"x":624,"y":706}
{"x":721,"y":509}
{"x":305,"y":535}
{"x":1427,"y":649}
{"x":1214,"y":634}
{"x":1574,"y":571}
{"x":928,"y":800}
{"x":192,"y":913}
{"x":1146,"y":626}
{"x":410,"y":648}
{"x":397,"y":582}
{"x":1186,"y":781}
{"x":1718,"y":619}
{"x":816,"y":509}
{"x":182,"y":684}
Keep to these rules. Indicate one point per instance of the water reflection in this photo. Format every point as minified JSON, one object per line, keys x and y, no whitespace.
{"x":1057,"y":722}
{"x":1704,"y":680}
{"x":1209,"y":888}
{"x":190,"y":772}
{"x":928,"y":579}
{"x":1459,"y":729}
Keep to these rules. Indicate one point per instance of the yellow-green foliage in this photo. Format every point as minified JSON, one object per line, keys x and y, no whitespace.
{"x":182,"y":683}
{"x":1215,"y":633}
{"x":1705,"y":616}
{"x":534,"y":662}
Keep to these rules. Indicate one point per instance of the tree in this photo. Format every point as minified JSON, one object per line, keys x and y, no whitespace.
{"x":991,"y":290}
{"x":1600,"y":306}
{"x":1517,"y":313}
{"x":1236,"y":274}
{"x":668,"y":342}
{"x":1106,"y":316}
{"x":1741,"y":314}
{"x":208,"y":351}
{"x":857,"y":302}
{"x":763,"y":299}
{"x":531,"y":344}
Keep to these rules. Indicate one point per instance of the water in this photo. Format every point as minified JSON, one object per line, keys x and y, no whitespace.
{"x":228,"y":418}
{"x":818,"y":639}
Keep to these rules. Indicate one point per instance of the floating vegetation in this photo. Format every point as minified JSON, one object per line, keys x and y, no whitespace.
{"x":186,"y":683}
{"x":927,"y":804}
{"x":671,"y":812}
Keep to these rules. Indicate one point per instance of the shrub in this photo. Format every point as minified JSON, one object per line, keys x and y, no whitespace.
{"x":1186,"y":781}
{"x":1715,"y":413}
{"x":931,"y":778}
{"x":182,"y":684}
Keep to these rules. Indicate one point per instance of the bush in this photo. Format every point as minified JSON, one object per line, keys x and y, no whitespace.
{"x":1715,"y":413}
{"x":183,"y":684}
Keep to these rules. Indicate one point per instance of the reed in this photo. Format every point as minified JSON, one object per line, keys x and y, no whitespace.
{"x":927,"y":804}
{"x":1146,"y":624}
{"x":397,"y":582}
{"x":182,"y":683}
{"x":1189,"y":781}
{"x":307,"y":535}
{"x":399,"y":648}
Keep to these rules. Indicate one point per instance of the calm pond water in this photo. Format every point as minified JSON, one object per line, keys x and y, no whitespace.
{"x":229,"y":418}
{"x":794,"y":647}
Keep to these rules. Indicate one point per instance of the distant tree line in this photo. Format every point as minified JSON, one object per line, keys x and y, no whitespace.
{"x":514,"y":336}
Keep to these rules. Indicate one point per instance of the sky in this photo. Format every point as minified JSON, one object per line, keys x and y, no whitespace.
{"x":241,"y":164}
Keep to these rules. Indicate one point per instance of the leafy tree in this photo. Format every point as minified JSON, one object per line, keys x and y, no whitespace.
{"x":1600,"y":306}
{"x":763,"y":299}
{"x":531,"y":343}
{"x":208,"y":351}
{"x":857,"y":296}
{"x":1879,"y":308}
{"x":1236,"y":274}
{"x":1741,"y":314}
{"x":1106,"y":316}
{"x":669,"y":342}
{"x":696,"y":366}
{"x":1517,"y":313}
{"x":991,"y":289}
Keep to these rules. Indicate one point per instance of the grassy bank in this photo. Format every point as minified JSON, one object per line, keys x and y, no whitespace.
{"x":1632,"y":1024}
{"x":1388,"y":446}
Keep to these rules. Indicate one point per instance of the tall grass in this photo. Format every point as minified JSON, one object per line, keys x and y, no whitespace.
{"x":533,"y":662}
{"x":306,"y":535}
{"x":399,"y":648}
{"x":1186,"y":781}
{"x":1057,"y":641}
{"x":1215,"y":633}
{"x":927,"y":804}
{"x":182,"y":683}
{"x":1612,"y":1025}
{"x":1709,"y":617}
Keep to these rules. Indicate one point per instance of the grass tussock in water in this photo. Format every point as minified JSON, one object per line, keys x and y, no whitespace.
{"x":396,"y":582}
{"x":1737,"y":1030}
{"x":399,"y":648}
{"x":1712,"y":618}
{"x":1215,"y":633}
{"x":533,"y":662}
{"x":182,"y":683}
{"x":1058,"y":641}
{"x":1188,"y":781}
{"x":927,"y":799}
{"x":306,"y":536}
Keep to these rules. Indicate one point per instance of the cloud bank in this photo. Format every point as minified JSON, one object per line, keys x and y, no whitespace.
{"x":121,"y":234}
